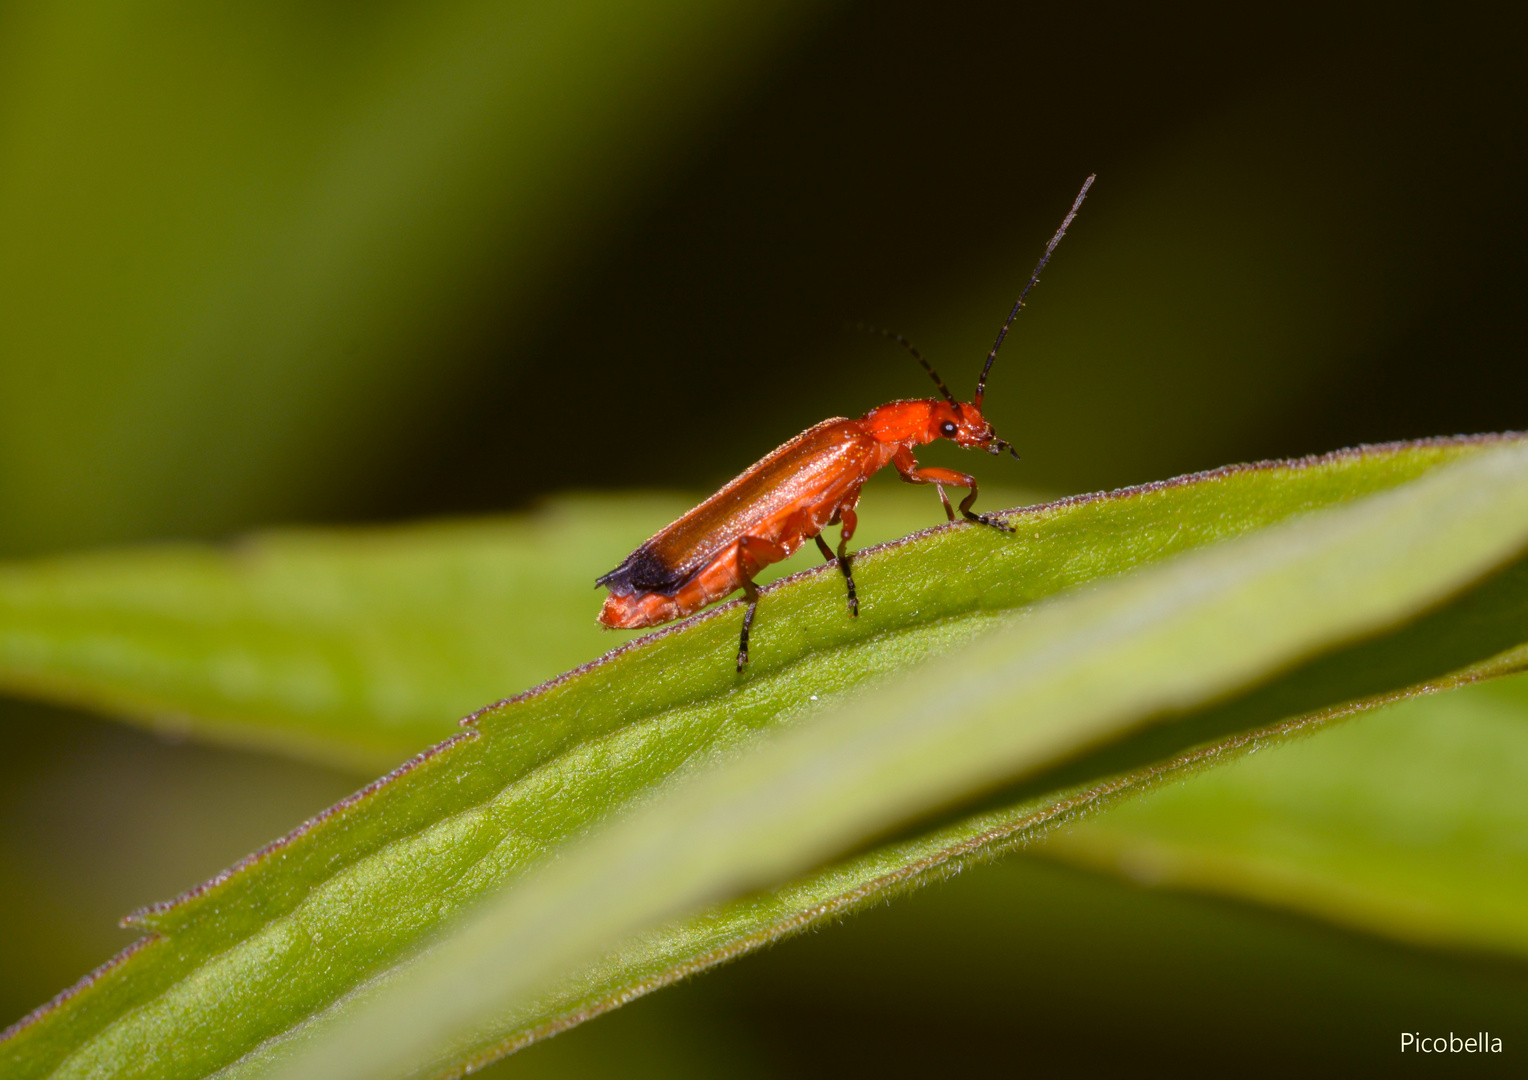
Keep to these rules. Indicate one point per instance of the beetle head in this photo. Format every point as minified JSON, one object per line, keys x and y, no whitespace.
{"x":962,"y":423}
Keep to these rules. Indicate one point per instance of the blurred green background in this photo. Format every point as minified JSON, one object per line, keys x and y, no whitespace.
{"x":330,"y":262}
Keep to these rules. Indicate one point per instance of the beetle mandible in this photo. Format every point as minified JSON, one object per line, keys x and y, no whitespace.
{"x":807,"y":484}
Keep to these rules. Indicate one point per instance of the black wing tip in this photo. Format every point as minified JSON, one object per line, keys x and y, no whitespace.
{"x":618,"y":581}
{"x":642,"y":572}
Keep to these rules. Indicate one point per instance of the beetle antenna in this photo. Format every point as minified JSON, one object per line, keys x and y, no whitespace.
{"x":981,"y":384}
{"x":892,"y":335}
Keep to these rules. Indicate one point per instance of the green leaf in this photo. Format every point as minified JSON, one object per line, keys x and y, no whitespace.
{"x":1037,"y":691}
{"x":356,"y":647}
{"x":1410,"y":820}
{"x":251,"y":959}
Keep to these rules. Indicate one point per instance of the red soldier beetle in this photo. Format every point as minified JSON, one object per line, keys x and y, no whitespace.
{"x":805,"y":485}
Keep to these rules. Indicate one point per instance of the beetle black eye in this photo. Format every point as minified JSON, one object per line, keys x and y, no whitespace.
{"x":947,"y":429}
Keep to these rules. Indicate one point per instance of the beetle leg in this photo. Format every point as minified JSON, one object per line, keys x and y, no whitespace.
{"x":751,"y":592}
{"x":842,"y":557}
{"x":949,"y":511}
{"x":764,"y":553}
{"x":907,"y":466}
{"x":983,"y":519}
{"x":845,"y":534}
{"x":914,"y":475}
